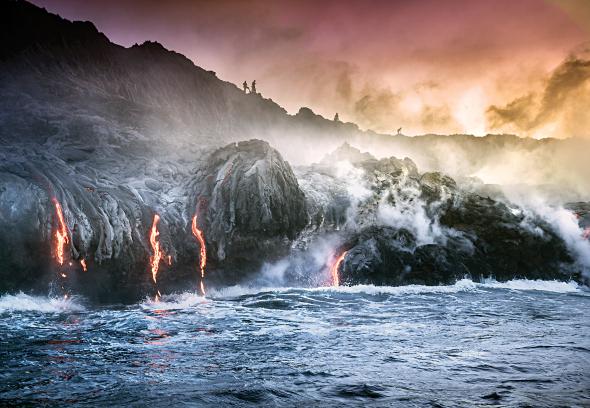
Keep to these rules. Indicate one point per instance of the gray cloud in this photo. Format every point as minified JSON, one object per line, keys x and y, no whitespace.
{"x":564,"y":97}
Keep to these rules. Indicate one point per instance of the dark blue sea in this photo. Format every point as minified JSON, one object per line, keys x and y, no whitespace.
{"x":515,"y":344}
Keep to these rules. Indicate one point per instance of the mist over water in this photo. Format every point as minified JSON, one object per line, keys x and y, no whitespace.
{"x":513,"y":344}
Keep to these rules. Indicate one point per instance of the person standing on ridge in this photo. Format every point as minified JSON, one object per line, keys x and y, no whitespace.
{"x":245,"y":85}
{"x":253,"y":87}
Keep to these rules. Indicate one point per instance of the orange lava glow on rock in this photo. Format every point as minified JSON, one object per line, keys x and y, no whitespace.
{"x":203,"y":251}
{"x":334,"y":269}
{"x":83,"y":263}
{"x":155,"y":243}
{"x":61,"y":235}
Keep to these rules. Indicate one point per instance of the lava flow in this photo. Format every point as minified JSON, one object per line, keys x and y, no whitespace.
{"x":84,"y":266}
{"x":334,"y":269}
{"x":158,"y":253}
{"x":61,"y":235}
{"x":203,"y":251}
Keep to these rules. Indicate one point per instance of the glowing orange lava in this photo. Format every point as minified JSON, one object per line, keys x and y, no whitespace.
{"x":203,"y":251}
{"x":334,"y":269}
{"x":61,"y":235}
{"x":158,"y":253}
{"x":83,"y":263}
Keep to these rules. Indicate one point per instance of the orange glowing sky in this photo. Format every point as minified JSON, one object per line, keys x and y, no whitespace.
{"x":454,"y":66}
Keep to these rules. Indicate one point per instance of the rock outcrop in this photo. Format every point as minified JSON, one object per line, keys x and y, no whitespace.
{"x":412,"y":228}
{"x":246,"y":196}
{"x":251,"y":204}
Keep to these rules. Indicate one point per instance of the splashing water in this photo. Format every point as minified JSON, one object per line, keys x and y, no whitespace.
{"x":467,"y":344}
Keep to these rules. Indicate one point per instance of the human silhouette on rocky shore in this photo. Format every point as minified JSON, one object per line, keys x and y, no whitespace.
{"x":245,"y":85}
{"x":253,"y":87}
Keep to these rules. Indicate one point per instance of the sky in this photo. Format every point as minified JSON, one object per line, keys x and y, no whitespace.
{"x":427,"y":66}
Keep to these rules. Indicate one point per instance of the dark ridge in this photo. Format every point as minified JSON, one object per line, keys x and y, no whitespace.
{"x":24,"y":26}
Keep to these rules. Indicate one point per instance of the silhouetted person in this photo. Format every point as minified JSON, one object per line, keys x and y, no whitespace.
{"x":336,"y":118}
{"x":245,"y":85}
{"x":254,"y":86}
{"x":399,"y":131}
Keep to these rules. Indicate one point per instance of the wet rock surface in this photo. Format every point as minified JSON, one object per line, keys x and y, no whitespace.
{"x":246,"y":197}
{"x":251,"y":204}
{"x":412,"y":228}
{"x":397,"y":225}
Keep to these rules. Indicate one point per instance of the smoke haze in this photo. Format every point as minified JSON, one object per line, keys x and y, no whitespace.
{"x":464,"y":67}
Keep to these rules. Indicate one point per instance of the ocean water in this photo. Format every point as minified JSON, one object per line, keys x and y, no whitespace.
{"x":521,"y":343}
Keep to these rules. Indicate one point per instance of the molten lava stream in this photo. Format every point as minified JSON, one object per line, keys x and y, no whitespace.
{"x":84,"y":266}
{"x":61,"y":234}
{"x":203,"y":252}
{"x":334,"y":269}
{"x":158,"y":254}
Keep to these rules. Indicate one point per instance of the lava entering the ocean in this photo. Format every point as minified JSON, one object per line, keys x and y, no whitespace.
{"x":61,"y":234}
{"x":203,"y":251}
{"x":158,"y":253}
{"x":334,"y":269}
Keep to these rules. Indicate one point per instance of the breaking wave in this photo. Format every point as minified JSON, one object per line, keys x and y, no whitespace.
{"x":525,"y":284}
{"x":44,"y":304}
{"x":188,"y":299}
{"x":174,"y":301}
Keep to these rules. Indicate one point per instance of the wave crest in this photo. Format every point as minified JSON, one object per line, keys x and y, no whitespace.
{"x":44,"y":304}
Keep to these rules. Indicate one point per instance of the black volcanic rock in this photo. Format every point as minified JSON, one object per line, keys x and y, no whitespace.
{"x":247,"y":197}
{"x":457,"y":233}
{"x":252,"y":204}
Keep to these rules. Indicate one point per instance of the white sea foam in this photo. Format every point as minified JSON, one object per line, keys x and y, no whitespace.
{"x":464,"y":285}
{"x":525,"y":284}
{"x":23,"y":302}
{"x":174,"y":301}
{"x":44,"y":304}
{"x":235,"y":291}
